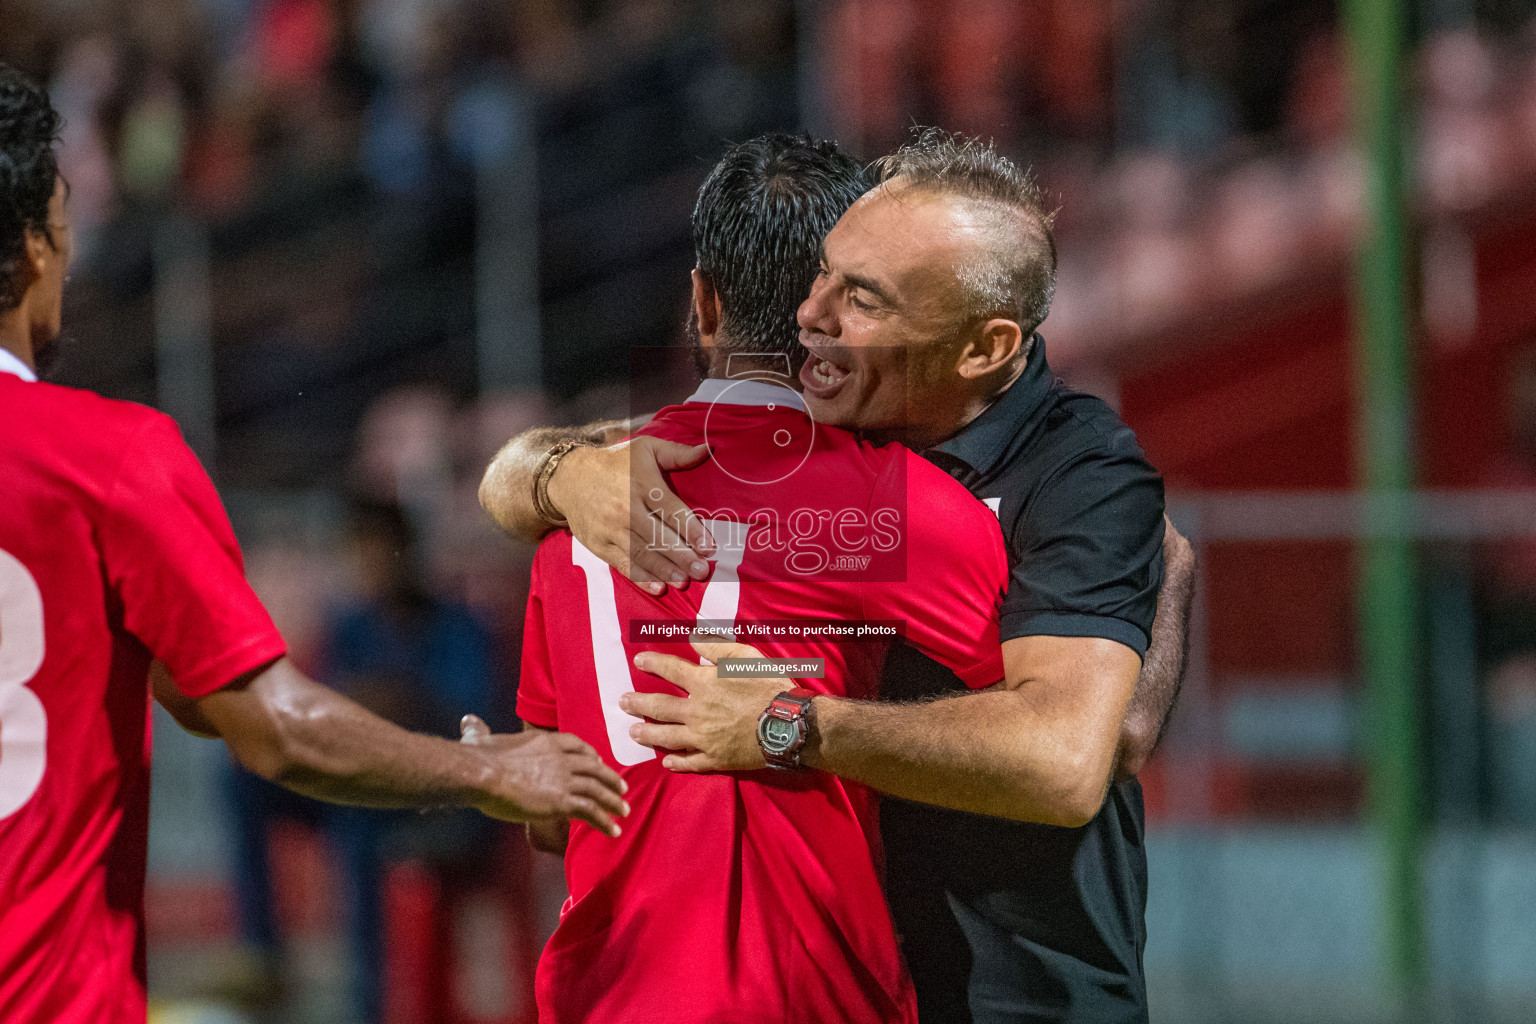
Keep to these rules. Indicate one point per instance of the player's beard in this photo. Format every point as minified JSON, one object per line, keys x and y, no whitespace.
{"x":691,"y":331}
{"x":47,"y":356}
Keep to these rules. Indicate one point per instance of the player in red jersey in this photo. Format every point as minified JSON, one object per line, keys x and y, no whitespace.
{"x":750,"y":898}
{"x":115,"y":553}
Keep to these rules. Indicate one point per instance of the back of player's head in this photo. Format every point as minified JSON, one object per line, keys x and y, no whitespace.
{"x":757,"y":231}
{"x":29,"y":168}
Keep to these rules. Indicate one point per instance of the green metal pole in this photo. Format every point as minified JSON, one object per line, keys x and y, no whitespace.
{"x":1387,"y":593}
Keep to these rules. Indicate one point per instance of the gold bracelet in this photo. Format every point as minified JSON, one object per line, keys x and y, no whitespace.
{"x":546,"y":470}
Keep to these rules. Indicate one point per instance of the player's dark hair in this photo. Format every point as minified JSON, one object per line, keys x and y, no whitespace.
{"x":29,"y":168}
{"x":758,"y":226}
{"x":1016,"y":275}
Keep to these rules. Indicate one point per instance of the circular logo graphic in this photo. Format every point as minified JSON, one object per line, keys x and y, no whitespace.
{"x":780,"y":446}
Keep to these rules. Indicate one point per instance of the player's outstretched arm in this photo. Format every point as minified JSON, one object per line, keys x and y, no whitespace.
{"x":1162,"y":670}
{"x":614,"y":496}
{"x":295,"y":732}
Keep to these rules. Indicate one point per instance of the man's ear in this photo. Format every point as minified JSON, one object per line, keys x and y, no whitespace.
{"x":993,"y":346}
{"x":706,"y":304}
{"x":39,"y":251}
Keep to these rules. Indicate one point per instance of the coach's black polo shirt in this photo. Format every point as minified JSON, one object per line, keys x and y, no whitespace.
{"x":1004,"y":921}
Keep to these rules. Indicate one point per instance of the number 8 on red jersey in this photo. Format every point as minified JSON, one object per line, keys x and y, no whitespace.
{"x":23,"y":722}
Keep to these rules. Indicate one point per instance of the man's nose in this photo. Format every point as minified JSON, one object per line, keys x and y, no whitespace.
{"x":812,"y":314}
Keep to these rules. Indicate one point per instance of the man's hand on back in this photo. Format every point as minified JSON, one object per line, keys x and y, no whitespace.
{"x":714,"y":728}
{"x":620,"y":507}
{"x":615,"y":498}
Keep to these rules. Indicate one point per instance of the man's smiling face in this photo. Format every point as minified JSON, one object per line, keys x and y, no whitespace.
{"x":882,"y":322}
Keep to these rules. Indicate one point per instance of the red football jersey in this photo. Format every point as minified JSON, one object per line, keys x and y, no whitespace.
{"x":755,"y":897}
{"x":114,"y":550}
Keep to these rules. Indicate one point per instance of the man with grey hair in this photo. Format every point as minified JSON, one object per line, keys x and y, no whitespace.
{"x":1015,"y":268}
{"x":1016,"y":870}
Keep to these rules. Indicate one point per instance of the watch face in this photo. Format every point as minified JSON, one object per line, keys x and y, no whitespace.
{"x":777,"y":734}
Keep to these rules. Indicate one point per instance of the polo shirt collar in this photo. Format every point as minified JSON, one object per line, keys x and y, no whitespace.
{"x":10,"y":362}
{"x":986,"y":439}
{"x":723,"y":391}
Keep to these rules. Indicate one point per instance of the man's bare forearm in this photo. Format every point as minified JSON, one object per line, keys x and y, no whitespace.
{"x":1039,"y":746}
{"x":310,"y":739}
{"x":987,"y":753}
{"x":293,"y":731}
{"x":506,"y":490}
{"x":331,"y":759}
{"x":1162,"y":671}
{"x":289,"y":729}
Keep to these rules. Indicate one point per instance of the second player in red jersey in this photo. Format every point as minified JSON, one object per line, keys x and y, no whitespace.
{"x":752,"y":898}
{"x":115,"y":551}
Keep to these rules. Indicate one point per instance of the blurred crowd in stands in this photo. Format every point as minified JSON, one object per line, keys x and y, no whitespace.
{"x":329,"y":149}
{"x":1197,"y":149}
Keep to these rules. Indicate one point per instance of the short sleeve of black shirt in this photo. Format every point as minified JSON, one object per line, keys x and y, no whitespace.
{"x":1087,"y":545}
{"x":1079,"y":504}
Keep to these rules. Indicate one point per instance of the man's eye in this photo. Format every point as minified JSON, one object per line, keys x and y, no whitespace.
{"x":859,"y":303}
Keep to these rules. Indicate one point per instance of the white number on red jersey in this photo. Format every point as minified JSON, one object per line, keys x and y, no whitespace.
{"x":717,"y":614}
{"x":722,"y":595}
{"x":23,"y":722}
